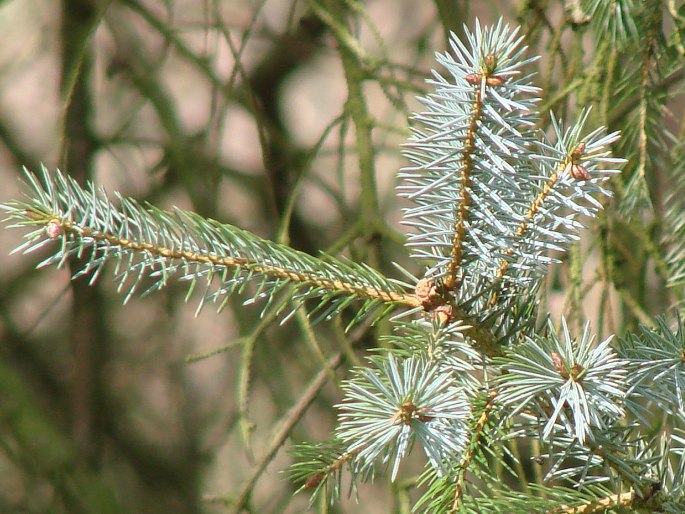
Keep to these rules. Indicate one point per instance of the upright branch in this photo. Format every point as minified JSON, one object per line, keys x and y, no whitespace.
{"x":493,"y":195}
{"x":650,"y":141}
{"x":529,"y":217}
{"x":485,"y":79}
{"x":466,"y":152}
{"x":568,"y":175}
{"x":461,"y":221}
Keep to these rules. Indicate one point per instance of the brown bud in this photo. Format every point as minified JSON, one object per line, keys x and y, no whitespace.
{"x":473,"y":78}
{"x":427,"y":292}
{"x":443,"y":313}
{"x":408,"y":408}
{"x":425,"y":288}
{"x":406,"y":413}
{"x":490,"y":80}
{"x":559,"y":365}
{"x":424,"y":418}
{"x":578,"y":151}
{"x":314,"y":480}
{"x":576,"y":372}
{"x":579,"y":172}
{"x":53,"y":229}
{"x":494,"y":80}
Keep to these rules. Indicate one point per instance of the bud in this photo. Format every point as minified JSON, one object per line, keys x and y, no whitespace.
{"x":314,"y":480}
{"x":490,"y":62}
{"x":473,"y":78}
{"x":578,"y":151}
{"x":424,"y":418}
{"x":443,"y":314}
{"x":579,"y":172}
{"x":53,"y":229}
{"x":494,"y":80}
{"x":577,"y":372}
{"x":490,"y":80}
{"x":427,"y":291}
{"x":559,"y":365}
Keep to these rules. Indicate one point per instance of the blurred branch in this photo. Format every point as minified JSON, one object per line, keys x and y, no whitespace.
{"x":261,"y":96}
{"x":283,"y":430}
{"x":89,"y":335}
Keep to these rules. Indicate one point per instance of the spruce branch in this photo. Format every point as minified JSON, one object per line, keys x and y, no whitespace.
{"x":148,"y":243}
{"x":647,"y":138}
{"x":466,"y":152}
{"x":387,"y":407}
{"x":448,"y":346}
{"x":465,"y":372}
{"x":670,"y":471}
{"x":565,"y":380}
{"x":497,"y":498}
{"x":657,"y":357}
{"x":613,"y":17}
{"x":493,"y":195}
{"x":575,"y":166}
{"x":612,"y":456}
{"x":674,"y":233}
{"x":648,"y":131}
{"x":569,"y":174}
{"x":319,"y":468}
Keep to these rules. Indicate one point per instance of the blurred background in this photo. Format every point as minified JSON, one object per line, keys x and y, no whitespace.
{"x":282,"y":117}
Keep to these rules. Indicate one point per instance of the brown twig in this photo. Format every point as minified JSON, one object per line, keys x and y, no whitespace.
{"x":471,"y":451}
{"x":464,"y":193}
{"x":271,"y":270}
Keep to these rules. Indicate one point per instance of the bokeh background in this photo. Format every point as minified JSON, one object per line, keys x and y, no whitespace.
{"x":240,"y":110}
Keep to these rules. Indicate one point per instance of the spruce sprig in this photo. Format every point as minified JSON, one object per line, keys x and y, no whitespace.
{"x":148,"y":246}
{"x":467,"y":371}
{"x":565,"y":380}
{"x":388,"y":407}
{"x":495,"y":196}
{"x":467,"y":150}
{"x":657,"y":356}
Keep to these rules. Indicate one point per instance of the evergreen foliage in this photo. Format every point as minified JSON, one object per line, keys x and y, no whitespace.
{"x":474,"y":370}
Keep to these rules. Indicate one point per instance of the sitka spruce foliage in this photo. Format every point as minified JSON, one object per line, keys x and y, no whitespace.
{"x":472,"y":371}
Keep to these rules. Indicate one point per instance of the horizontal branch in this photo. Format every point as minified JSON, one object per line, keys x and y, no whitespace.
{"x":148,"y":243}
{"x":272,"y":271}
